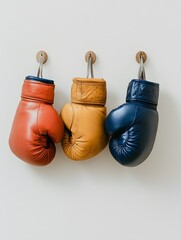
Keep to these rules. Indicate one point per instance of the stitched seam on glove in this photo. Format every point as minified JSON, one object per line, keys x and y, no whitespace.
{"x":37,"y":120}
{"x":73,"y":116}
{"x":136,"y":109}
{"x":39,"y":132}
{"x":36,"y":99}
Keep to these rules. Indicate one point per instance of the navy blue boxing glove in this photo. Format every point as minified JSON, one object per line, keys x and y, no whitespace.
{"x":133,"y":125}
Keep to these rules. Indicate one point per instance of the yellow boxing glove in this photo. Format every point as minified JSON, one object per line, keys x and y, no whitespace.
{"x":84,"y":119}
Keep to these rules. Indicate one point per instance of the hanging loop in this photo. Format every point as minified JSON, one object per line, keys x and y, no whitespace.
{"x":90,"y":58}
{"x":40,"y":69}
{"x":141,"y":58}
{"x":141,"y":72}
{"x":41,"y":57}
{"x":90,"y":72}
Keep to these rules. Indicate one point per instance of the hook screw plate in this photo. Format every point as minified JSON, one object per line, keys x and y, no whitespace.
{"x":93,"y":56}
{"x":42,"y":54}
{"x":139,"y":55}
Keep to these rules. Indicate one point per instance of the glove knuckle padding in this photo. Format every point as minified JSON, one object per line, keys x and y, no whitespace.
{"x":133,"y":125}
{"x":84,"y":119}
{"x":36,"y":125}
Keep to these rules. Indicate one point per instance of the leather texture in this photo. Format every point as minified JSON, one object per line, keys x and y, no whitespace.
{"x":133,"y":125}
{"x":37,"y":125}
{"x":84,"y":119}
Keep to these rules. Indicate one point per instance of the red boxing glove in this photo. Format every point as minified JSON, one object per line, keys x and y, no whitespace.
{"x":37,"y":125}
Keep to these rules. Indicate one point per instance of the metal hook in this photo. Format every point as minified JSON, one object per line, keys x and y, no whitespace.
{"x":90,"y":58}
{"x":41,"y":57}
{"x":40,"y":69}
{"x":141,"y":58}
{"x":90,"y":72}
{"x":141,"y":72}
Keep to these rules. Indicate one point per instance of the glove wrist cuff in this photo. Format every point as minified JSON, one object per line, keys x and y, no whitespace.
{"x":88,"y":91}
{"x":38,"y":91}
{"x":144,"y":91}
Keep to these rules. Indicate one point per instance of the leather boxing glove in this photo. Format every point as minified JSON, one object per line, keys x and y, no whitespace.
{"x":133,"y":125}
{"x":37,"y":125}
{"x":84,"y":119}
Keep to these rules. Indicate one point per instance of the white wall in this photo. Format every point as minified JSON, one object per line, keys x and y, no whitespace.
{"x":97,"y":198}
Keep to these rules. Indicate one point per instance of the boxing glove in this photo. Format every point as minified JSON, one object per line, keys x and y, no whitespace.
{"x":84,"y":119}
{"x":133,"y":125}
{"x":37,"y":125}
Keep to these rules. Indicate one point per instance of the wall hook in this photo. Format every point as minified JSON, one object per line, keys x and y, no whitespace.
{"x":41,"y":57}
{"x":90,"y":58}
{"x":141,"y":58}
